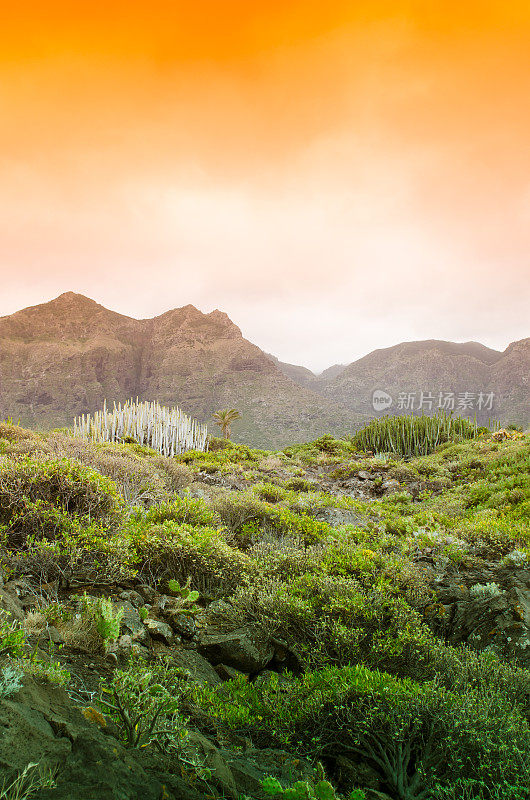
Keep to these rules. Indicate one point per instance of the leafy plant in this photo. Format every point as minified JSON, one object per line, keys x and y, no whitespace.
{"x":144,"y":704}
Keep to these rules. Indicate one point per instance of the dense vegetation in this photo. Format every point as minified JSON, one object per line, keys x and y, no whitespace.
{"x":390,"y":593}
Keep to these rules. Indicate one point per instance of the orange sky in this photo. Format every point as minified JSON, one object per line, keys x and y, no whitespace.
{"x":336,"y":176}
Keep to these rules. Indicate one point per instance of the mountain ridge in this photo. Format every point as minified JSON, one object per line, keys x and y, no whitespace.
{"x":65,"y":357}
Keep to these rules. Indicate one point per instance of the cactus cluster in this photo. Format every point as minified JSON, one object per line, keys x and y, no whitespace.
{"x":108,"y":621}
{"x":167,"y":430}
{"x":410,"y":435}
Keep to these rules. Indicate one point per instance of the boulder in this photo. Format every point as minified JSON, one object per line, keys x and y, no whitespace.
{"x":227,"y":673}
{"x":200,"y":670}
{"x":363,"y":475}
{"x":245,"y":649}
{"x":51,"y":634}
{"x":203,"y":751}
{"x":11,"y":605}
{"x":132,"y":624}
{"x":181,"y":622}
{"x":495,"y":619}
{"x":249,"y":769}
{"x":132,"y":597}
{"x":159,"y":630}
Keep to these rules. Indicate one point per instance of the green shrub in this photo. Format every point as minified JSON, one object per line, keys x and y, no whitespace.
{"x":41,"y":497}
{"x":299,"y":485}
{"x":334,"y":619}
{"x":248,"y":517}
{"x":269,"y":492}
{"x":144,"y":704}
{"x":181,"y":510}
{"x":177,"y":551}
{"x":85,"y":551}
{"x":479,"y":790}
{"x":417,"y":736}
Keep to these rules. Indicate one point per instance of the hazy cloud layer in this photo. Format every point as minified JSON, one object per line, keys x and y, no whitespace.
{"x":335,"y":179}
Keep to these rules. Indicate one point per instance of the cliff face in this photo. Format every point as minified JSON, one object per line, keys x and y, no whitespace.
{"x":64,"y":358}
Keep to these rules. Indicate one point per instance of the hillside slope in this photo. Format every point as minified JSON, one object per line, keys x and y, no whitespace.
{"x":65,"y":357}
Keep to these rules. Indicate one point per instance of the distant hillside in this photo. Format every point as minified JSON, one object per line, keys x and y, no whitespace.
{"x":300,"y":375}
{"x":436,"y":367}
{"x":65,"y":357}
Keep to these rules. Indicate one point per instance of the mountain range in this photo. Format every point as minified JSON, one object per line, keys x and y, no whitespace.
{"x":64,"y":358}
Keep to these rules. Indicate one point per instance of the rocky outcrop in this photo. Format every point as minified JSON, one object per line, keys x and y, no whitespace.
{"x":487,"y":608}
{"x":245,"y":649}
{"x":41,"y":725}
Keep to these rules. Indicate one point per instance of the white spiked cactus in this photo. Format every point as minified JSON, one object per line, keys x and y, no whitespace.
{"x":167,"y":430}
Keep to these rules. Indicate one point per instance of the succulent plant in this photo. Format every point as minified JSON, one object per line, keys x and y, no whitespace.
{"x":167,"y":430}
{"x":271,"y":786}
{"x":107,"y":620}
{"x":184,"y":592}
{"x":324,"y":791}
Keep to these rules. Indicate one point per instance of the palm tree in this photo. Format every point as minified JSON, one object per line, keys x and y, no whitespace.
{"x":224,"y":419}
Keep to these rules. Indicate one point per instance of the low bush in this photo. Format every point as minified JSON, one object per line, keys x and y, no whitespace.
{"x":179,"y":551}
{"x":269,"y":492}
{"x":41,"y":498}
{"x":417,"y":736}
{"x":144,"y":705}
{"x":336,"y":620}
{"x":181,"y":510}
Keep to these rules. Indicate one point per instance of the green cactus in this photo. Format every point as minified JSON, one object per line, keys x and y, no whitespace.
{"x":107,"y":621}
{"x":303,"y":790}
{"x":184,"y":592}
{"x":292,"y":794}
{"x":324,"y":791}
{"x":271,"y":786}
